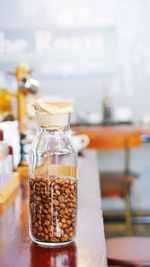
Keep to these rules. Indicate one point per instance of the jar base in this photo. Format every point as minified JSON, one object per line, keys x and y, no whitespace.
{"x":52,"y":245}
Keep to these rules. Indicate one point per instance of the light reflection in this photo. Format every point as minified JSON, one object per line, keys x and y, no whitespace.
{"x":53,"y":257}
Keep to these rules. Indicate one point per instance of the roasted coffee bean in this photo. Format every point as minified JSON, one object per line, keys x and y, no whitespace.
{"x":48,"y":217}
{"x":68,"y":222}
{"x":56,"y":187}
{"x":57,"y":192}
{"x":45,"y":230}
{"x":56,"y":202}
{"x":63,"y":220}
{"x":45,"y":211}
{"x":64,"y":226}
{"x":62,"y":206}
{"x":53,"y":203}
{"x":67,"y":191}
{"x":40,"y":228}
{"x":46,"y":206}
{"x":46,"y":237}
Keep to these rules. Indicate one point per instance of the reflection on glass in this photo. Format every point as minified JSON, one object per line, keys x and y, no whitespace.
{"x":54,"y":257}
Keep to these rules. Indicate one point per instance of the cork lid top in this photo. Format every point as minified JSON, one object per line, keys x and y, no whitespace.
{"x":53,"y":107}
{"x":52,"y":114}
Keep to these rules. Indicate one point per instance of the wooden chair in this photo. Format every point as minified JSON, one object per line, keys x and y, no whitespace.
{"x":128,"y":251}
{"x":118,"y":184}
{"x":111,"y":138}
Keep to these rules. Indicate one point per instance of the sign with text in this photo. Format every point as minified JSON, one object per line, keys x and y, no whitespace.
{"x":60,"y":52}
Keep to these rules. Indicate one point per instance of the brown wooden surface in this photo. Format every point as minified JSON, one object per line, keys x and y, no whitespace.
{"x":128,"y":251}
{"x":88,"y":250}
{"x":111,"y":137}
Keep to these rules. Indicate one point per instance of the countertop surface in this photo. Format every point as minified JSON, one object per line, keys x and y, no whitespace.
{"x":88,"y":249}
{"x":111,"y":137}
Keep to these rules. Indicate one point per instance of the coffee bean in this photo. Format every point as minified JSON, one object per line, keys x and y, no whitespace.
{"x":56,"y":187}
{"x":40,"y":228}
{"x":38,"y":198}
{"x":64,"y":226}
{"x":66,"y":211}
{"x":72,"y":187}
{"x":48,"y":216}
{"x":45,"y":230}
{"x":67,"y":191}
{"x":57,"y":192}
{"x":46,"y":206}
{"x":42,"y":234}
{"x":68,"y":222}
{"x":63,"y":220}
{"x":53,"y":203}
{"x":45,"y":211}
{"x":47,"y":223}
{"x":61,"y":212}
{"x":56,"y":202}
{"x":46,"y":237}
{"x":62,"y":205}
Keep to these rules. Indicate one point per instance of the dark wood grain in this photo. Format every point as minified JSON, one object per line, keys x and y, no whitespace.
{"x":88,"y":250}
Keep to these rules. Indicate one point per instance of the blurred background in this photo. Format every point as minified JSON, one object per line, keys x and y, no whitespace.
{"x":94,"y":52}
{"x":76,"y":46}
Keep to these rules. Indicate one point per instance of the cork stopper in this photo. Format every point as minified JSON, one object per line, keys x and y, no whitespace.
{"x":52,"y":114}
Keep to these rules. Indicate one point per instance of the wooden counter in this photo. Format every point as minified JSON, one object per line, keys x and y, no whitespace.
{"x":111,"y":137}
{"x":88,"y":250}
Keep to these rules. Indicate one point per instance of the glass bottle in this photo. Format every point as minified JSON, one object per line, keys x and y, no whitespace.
{"x":107,"y":109}
{"x":107,"y":104}
{"x":52,"y":182}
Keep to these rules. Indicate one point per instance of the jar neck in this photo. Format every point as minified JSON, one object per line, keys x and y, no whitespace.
{"x":59,"y":123}
{"x":51,"y":132}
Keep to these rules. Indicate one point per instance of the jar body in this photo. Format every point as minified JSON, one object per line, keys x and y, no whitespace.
{"x":53,"y":189}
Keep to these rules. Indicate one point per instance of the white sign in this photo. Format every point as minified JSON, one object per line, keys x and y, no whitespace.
{"x":60,"y":53}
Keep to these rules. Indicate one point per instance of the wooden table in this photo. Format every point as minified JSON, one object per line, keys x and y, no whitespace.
{"x":88,"y":250}
{"x":114,"y":137}
{"x":111,"y":137}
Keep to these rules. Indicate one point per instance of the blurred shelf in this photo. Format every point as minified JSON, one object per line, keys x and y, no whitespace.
{"x":9,"y":188}
{"x":103,"y":123}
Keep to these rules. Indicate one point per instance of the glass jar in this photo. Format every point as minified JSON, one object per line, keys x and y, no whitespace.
{"x":52,"y":183}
